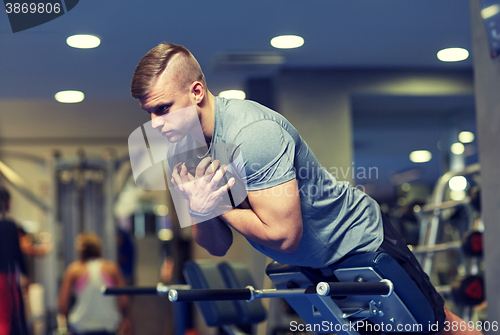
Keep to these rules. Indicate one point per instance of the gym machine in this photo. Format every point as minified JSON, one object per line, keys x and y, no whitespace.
{"x":368,"y":290}
{"x":467,"y":289}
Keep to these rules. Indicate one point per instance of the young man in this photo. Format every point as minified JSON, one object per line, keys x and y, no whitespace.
{"x":296,"y":212}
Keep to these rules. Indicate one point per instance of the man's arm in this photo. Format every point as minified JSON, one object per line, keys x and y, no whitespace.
{"x":214,"y":235}
{"x":275,"y":220}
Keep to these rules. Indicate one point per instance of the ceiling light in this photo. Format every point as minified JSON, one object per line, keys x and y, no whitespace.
{"x":83,"y":41}
{"x":420,"y":156}
{"x":452,"y":55}
{"x":466,"y":137}
{"x":457,"y":148}
{"x":69,"y":97}
{"x":490,"y":11}
{"x":458,"y":183}
{"x":287,"y":42}
{"x":233,"y":94}
{"x":406,"y":187}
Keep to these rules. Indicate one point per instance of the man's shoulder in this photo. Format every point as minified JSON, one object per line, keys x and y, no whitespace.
{"x":245,"y":110}
{"x":237,"y":115}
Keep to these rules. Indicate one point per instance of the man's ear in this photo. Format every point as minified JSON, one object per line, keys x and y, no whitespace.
{"x":198,"y":92}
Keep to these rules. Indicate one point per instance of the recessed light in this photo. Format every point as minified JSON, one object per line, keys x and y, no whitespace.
{"x":453,"y":55}
{"x":466,"y":137}
{"x":233,"y":94}
{"x":490,"y":11}
{"x":83,"y":41}
{"x":69,"y":97}
{"x":420,"y":156}
{"x":457,"y":148}
{"x":287,"y":42}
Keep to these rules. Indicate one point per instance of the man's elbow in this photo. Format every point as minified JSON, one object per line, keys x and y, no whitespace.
{"x":218,"y":252}
{"x":214,"y":249}
{"x":289,"y":247}
{"x":291,"y":242}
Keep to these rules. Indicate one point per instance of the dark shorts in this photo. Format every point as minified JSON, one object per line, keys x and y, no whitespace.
{"x":395,"y":246}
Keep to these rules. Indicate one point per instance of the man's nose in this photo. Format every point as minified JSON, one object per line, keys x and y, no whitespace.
{"x":157,"y":121}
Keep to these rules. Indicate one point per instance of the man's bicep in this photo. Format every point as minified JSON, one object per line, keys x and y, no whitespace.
{"x":278,"y":206}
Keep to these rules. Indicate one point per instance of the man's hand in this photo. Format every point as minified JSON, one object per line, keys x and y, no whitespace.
{"x":201,"y":190}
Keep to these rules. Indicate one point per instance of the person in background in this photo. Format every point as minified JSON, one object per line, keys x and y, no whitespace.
{"x":93,"y":313}
{"x":29,"y":247}
{"x":126,"y":255}
{"x":12,"y":316}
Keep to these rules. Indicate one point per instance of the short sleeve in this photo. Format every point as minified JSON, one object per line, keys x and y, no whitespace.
{"x":268,"y":153}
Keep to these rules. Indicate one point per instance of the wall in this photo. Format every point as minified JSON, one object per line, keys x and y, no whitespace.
{"x":318,"y":103}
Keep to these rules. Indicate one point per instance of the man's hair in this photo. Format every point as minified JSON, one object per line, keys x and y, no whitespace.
{"x":88,"y":246}
{"x":4,"y":200}
{"x":186,"y":68}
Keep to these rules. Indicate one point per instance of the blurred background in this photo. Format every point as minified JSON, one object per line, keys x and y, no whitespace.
{"x":364,"y":87}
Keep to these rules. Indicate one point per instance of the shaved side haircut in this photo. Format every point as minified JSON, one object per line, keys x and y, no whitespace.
{"x":179,"y":60}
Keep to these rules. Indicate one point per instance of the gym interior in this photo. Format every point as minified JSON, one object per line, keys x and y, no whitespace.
{"x":417,"y":134}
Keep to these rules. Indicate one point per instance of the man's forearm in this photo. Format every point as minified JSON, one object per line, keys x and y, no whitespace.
{"x":214,"y":235}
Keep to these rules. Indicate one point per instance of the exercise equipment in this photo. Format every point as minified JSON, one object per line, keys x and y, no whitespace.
{"x":370,"y":287}
{"x":456,"y":222}
{"x":469,"y":290}
{"x":431,"y":216}
{"x":85,"y":200}
{"x":160,"y":289}
{"x":404,"y":306}
{"x":216,"y":287}
{"x":471,"y":245}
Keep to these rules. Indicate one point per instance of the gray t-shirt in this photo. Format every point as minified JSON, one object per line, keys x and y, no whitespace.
{"x":338,"y":219}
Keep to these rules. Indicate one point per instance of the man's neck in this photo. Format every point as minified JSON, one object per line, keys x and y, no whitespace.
{"x":208,"y":117}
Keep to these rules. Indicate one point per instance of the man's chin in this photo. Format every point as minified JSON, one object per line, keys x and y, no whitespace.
{"x":173,"y":138}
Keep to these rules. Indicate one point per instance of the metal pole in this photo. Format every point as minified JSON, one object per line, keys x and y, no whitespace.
{"x":51,"y":269}
{"x":110,"y":249}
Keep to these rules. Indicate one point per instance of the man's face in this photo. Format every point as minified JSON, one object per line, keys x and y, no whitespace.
{"x":171,"y":108}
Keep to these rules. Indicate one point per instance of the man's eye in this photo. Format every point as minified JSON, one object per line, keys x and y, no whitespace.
{"x":163,"y":109}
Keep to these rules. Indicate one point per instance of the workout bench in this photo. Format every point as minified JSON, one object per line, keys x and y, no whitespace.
{"x":370,"y":286}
